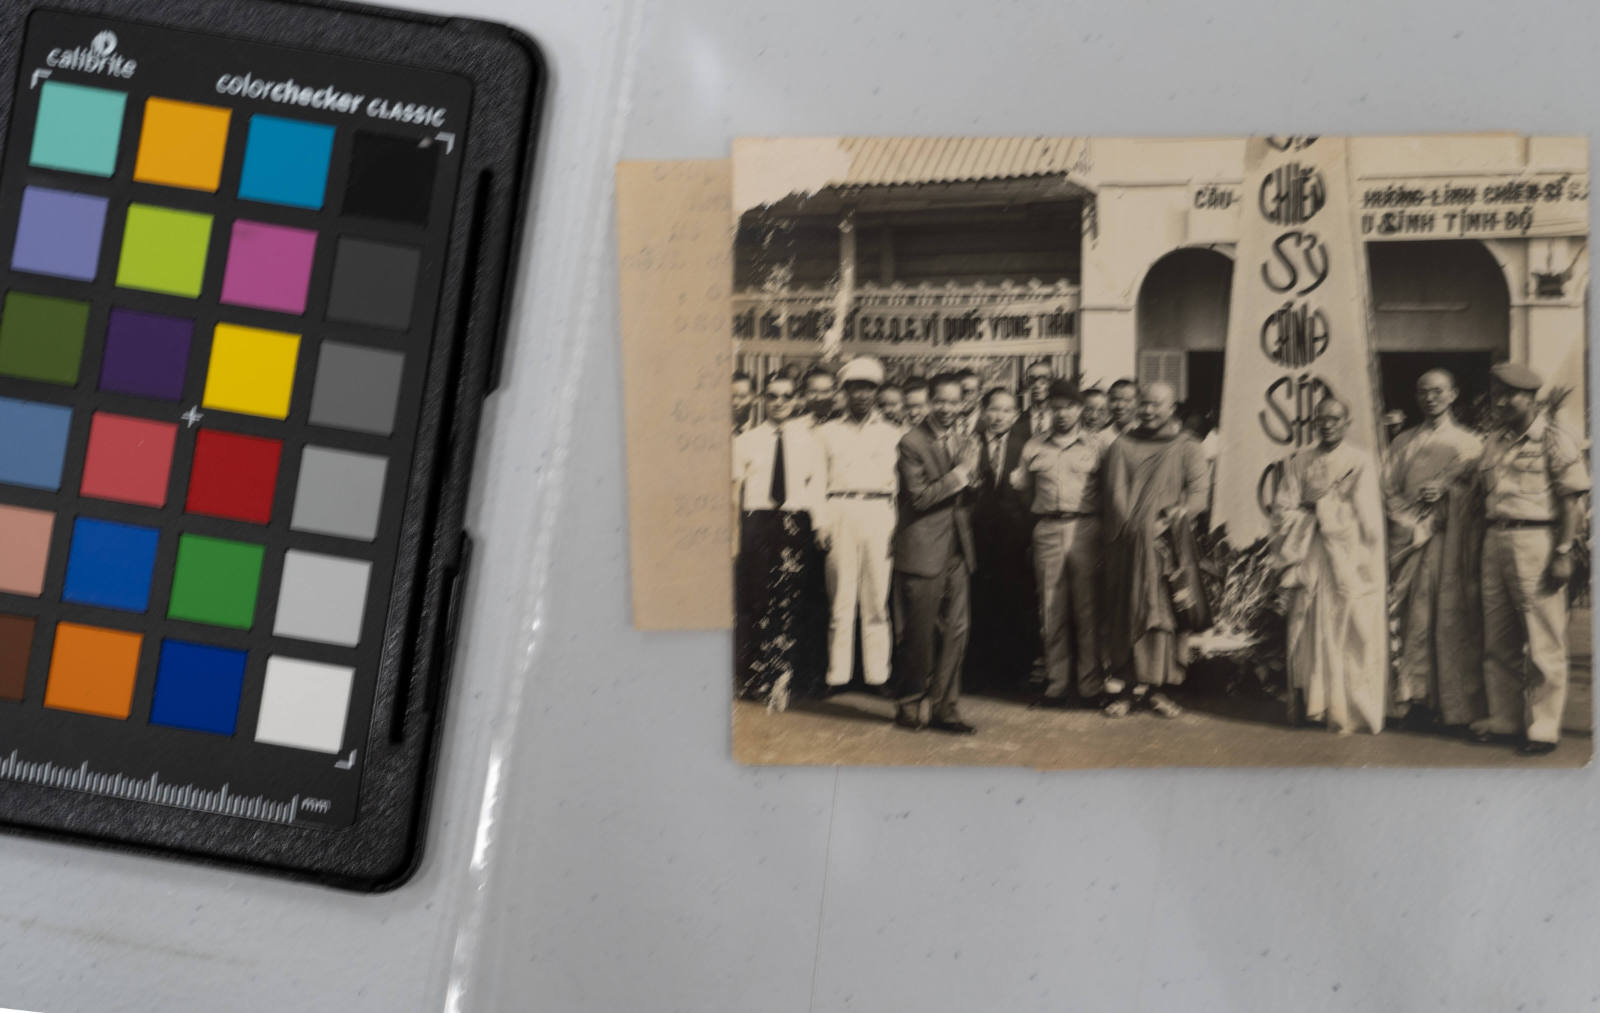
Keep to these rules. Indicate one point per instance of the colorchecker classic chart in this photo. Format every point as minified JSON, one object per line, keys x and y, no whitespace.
{"x":222,"y":403}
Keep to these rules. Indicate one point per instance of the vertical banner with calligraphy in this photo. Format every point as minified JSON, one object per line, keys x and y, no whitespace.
{"x":1299,"y":325}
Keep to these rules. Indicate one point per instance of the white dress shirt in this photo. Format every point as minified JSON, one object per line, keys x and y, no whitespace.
{"x":803,"y":472}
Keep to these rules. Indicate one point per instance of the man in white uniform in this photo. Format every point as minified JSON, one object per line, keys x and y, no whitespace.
{"x":859,"y":452}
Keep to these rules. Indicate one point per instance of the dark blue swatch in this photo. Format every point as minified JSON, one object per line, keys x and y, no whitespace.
{"x":198,"y":687}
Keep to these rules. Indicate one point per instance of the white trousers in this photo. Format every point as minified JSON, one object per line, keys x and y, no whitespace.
{"x":859,"y":571}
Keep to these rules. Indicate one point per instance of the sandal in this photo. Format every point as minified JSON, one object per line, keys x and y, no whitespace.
{"x":1162,"y":705}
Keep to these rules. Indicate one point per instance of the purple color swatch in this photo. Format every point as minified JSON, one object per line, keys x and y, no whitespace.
{"x":269,"y":267}
{"x":147,"y":354}
{"x":58,"y":233}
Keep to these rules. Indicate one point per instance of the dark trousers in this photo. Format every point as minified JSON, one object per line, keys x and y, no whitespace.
{"x":934,"y":614}
{"x":1005,"y":609}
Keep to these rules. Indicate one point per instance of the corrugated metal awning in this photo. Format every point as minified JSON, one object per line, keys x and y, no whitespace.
{"x":880,"y":161}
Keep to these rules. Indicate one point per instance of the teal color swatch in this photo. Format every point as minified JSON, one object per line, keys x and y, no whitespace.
{"x":79,"y":128}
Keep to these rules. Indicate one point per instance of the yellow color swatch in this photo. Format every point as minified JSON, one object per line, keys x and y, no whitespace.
{"x":252,"y":371}
{"x":181,"y":144}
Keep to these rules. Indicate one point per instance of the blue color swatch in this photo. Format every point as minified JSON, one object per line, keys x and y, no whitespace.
{"x":110,"y":565}
{"x":286,"y":162}
{"x":198,"y":687}
{"x":34,"y":442}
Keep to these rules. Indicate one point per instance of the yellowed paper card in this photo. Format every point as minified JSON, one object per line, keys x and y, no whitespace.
{"x":674,"y":241}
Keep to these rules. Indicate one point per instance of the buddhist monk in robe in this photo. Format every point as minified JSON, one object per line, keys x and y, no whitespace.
{"x":1155,"y":475}
{"x":1328,"y":537}
{"x":1435,"y":528}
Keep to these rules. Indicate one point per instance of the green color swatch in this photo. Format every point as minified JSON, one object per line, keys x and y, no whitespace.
{"x":215,"y":581}
{"x":41,"y":338}
{"x":79,"y":128}
{"x":164,"y":250}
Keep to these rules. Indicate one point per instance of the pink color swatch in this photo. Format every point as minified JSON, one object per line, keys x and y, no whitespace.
{"x":269,"y":267}
{"x":24,"y":547}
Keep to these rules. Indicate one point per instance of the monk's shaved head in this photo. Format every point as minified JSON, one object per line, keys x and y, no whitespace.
{"x":1436,"y":392}
{"x":1156,"y":404}
{"x":1437,"y":376}
{"x":1331,"y":421}
{"x":1332,"y":406}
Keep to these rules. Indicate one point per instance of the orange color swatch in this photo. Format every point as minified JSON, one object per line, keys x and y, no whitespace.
{"x":92,"y":670}
{"x":181,"y":144}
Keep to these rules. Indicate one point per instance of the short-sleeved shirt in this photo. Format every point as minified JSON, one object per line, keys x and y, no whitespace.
{"x":860,"y":457}
{"x":753,"y":453}
{"x":1524,"y":474}
{"x":1064,"y":472}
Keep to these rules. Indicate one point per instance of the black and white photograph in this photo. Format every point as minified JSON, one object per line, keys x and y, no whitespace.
{"x":1075,"y":452}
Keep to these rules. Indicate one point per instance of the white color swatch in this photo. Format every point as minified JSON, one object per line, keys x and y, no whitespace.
{"x":303,"y":704}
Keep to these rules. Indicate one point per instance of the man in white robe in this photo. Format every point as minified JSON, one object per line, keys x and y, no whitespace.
{"x":1328,"y":536}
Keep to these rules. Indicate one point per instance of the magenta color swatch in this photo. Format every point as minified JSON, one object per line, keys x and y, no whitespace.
{"x":269,"y":267}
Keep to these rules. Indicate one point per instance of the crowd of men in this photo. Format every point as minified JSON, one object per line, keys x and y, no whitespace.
{"x":886,"y":526}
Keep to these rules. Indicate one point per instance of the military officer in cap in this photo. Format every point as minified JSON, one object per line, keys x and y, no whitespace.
{"x":1532,"y":475}
{"x":859,"y":451}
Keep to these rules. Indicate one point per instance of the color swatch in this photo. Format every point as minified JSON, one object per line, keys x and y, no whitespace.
{"x":59,"y":233}
{"x":146,"y":354}
{"x":35,"y":446}
{"x":24,"y":549}
{"x":41,"y":337}
{"x":164,"y":250}
{"x":78,"y":129}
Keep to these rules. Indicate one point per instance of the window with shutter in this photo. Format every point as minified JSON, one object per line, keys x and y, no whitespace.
{"x":1165,"y":365}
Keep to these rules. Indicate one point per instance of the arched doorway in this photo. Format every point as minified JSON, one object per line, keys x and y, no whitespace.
{"x":1437,"y":305}
{"x":1182,"y":326}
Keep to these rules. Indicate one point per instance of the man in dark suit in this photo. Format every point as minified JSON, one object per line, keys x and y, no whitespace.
{"x":1036,"y":413}
{"x":933,"y":558}
{"x":1005,"y":634}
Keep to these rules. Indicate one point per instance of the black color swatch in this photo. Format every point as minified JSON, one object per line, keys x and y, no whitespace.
{"x":391,"y":178}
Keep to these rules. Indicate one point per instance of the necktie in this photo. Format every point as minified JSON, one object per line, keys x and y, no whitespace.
{"x":997,"y":459}
{"x":780,"y":483}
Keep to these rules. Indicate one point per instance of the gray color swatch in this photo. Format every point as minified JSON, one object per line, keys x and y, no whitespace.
{"x":374,"y":283}
{"x":356,"y":388}
{"x":323,"y":598}
{"x":339,"y":493}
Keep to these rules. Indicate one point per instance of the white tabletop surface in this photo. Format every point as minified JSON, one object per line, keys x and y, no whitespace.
{"x":622,"y":862}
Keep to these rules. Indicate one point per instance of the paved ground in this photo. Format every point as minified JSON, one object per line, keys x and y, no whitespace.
{"x":853,"y":729}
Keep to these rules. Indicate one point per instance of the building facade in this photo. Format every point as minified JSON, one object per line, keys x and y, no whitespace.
{"x":1114,"y":257}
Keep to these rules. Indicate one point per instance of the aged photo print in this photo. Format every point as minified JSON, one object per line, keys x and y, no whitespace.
{"x":1080,"y":452}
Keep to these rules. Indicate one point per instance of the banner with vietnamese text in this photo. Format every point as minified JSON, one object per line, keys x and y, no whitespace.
{"x":1299,"y":324}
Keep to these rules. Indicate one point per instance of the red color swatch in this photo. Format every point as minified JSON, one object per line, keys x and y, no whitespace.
{"x":129,"y":459}
{"x":234,"y":476}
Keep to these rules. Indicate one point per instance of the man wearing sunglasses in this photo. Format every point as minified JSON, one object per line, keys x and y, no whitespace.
{"x":778,"y":488}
